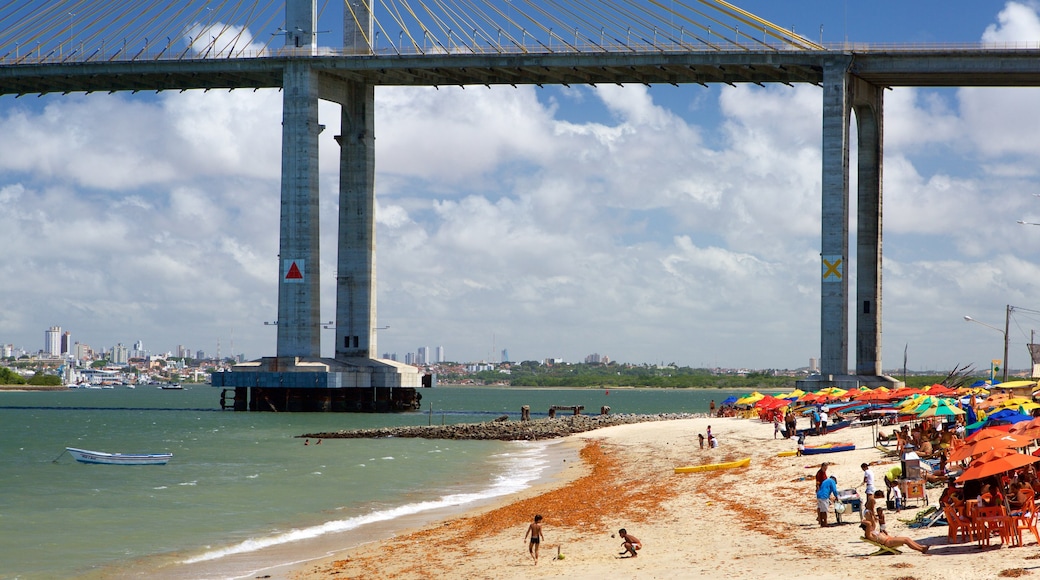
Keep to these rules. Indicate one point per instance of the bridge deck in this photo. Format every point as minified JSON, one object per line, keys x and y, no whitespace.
{"x":890,"y":68}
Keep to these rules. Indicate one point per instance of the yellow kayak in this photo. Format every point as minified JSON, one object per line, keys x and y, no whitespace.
{"x":787,"y":454}
{"x":713,"y":466}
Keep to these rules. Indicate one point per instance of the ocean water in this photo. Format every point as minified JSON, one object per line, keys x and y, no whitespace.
{"x":239,"y":483}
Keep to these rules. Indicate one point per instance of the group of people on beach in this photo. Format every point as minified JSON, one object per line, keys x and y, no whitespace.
{"x":710,"y":438}
{"x":629,"y":543}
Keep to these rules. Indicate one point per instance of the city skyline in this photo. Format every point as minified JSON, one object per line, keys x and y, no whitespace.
{"x":656,"y":224}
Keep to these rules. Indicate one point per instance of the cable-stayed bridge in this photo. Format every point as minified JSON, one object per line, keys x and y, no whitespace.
{"x":148,"y":45}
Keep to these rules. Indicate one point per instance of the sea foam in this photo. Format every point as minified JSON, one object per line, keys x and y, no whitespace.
{"x":516,"y":470}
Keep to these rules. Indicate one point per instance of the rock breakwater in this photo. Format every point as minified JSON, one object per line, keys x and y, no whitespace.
{"x":505,"y":430}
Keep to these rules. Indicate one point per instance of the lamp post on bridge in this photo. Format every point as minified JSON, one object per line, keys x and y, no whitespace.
{"x":1007,"y":323}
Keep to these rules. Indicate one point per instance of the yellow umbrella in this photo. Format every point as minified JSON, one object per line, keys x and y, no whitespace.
{"x":750,"y":399}
{"x":1015,"y":402}
{"x":1015,"y":384}
{"x":912,"y":401}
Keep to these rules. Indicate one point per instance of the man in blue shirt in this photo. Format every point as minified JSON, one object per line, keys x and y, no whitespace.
{"x":828,"y":488}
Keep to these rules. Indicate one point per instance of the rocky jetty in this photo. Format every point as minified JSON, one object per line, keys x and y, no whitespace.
{"x":505,"y":430}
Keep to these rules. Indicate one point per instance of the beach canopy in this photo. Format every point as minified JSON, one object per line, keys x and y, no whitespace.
{"x":750,"y":399}
{"x":1017,"y":384}
{"x":942,"y":408}
{"x":995,"y":465}
{"x":729,"y":400}
{"x":1029,"y":429}
{"x":939,"y":389}
{"x":980,"y":446}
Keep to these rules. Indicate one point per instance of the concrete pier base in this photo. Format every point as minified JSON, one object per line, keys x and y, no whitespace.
{"x":848,"y":382}
{"x":300,"y":384}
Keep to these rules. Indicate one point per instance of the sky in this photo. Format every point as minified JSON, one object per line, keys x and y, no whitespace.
{"x":651,"y":225}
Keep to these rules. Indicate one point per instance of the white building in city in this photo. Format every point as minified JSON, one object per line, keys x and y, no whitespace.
{"x":52,"y":341}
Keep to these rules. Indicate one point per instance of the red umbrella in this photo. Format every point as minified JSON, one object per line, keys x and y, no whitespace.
{"x":996,"y":466}
{"x":938,"y":389}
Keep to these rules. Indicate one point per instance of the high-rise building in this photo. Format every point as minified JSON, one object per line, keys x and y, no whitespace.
{"x":82,"y":352}
{"x":409,"y":358}
{"x":66,"y":342}
{"x":52,"y":341}
{"x":423,"y":356}
{"x":505,"y":355}
{"x":120,"y":354}
{"x":440,"y":354}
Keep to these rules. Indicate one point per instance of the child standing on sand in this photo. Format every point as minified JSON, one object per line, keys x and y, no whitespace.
{"x":535,"y":531}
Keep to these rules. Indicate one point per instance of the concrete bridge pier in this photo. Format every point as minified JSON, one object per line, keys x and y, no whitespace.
{"x":843,"y":93}
{"x":298,"y":378}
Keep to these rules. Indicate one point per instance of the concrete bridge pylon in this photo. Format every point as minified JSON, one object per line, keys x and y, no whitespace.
{"x":297,"y":378}
{"x":843,"y":95}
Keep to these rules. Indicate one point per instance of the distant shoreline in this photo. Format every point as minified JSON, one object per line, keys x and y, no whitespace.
{"x":33,"y":388}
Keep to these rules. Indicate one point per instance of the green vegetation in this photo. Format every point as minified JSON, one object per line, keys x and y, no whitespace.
{"x":9,"y":377}
{"x":534,"y":374}
{"x":40,"y":379}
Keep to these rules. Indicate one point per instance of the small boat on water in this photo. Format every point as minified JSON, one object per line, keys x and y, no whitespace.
{"x":828,"y":448}
{"x":86,"y":456}
{"x":713,"y":466}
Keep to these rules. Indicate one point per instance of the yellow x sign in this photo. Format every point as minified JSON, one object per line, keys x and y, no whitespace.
{"x":832,"y":266}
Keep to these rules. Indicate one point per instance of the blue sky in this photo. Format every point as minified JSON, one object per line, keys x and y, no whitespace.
{"x":651,"y":225}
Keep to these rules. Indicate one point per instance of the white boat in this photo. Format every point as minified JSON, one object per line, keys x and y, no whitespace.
{"x":86,"y":456}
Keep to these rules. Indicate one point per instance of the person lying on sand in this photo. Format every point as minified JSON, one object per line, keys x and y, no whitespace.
{"x":890,"y":541}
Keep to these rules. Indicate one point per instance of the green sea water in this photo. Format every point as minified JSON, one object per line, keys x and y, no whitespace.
{"x":242,"y":482}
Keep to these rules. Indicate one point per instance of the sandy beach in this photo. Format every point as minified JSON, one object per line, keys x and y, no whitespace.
{"x":742,"y":523}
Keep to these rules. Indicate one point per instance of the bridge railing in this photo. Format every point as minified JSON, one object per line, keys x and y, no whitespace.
{"x":100,"y":54}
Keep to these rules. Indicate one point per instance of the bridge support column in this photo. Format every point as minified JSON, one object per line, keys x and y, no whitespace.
{"x":298,"y":256}
{"x":843,"y":93}
{"x":834,"y":323}
{"x":867,"y":102}
{"x":356,"y":278}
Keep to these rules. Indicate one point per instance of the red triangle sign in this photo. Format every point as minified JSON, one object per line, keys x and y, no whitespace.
{"x":294,"y":273}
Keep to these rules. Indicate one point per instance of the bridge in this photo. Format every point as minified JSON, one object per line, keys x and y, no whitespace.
{"x":76,"y":46}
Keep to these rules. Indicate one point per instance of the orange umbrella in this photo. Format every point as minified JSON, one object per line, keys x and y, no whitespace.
{"x":996,"y":466}
{"x":1029,"y":428}
{"x":981,"y":446}
{"x":1033,"y":423}
{"x":988,"y":432}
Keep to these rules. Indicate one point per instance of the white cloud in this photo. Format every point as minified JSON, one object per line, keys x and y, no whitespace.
{"x":552,"y":223}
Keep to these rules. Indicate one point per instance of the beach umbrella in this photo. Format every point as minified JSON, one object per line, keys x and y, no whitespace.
{"x":923,"y":403}
{"x":996,"y":466}
{"x":1017,"y":384}
{"x":1026,"y":408}
{"x":1023,"y":426}
{"x":750,"y":399}
{"x":878,"y":395}
{"x":767,"y":400}
{"x":994,"y":400}
{"x":1008,"y":415}
{"x":987,"y":432}
{"x":729,"y":400}
{"x":939,"y":389}
{"x":942,"y":408}
{"x":981,"y":446}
